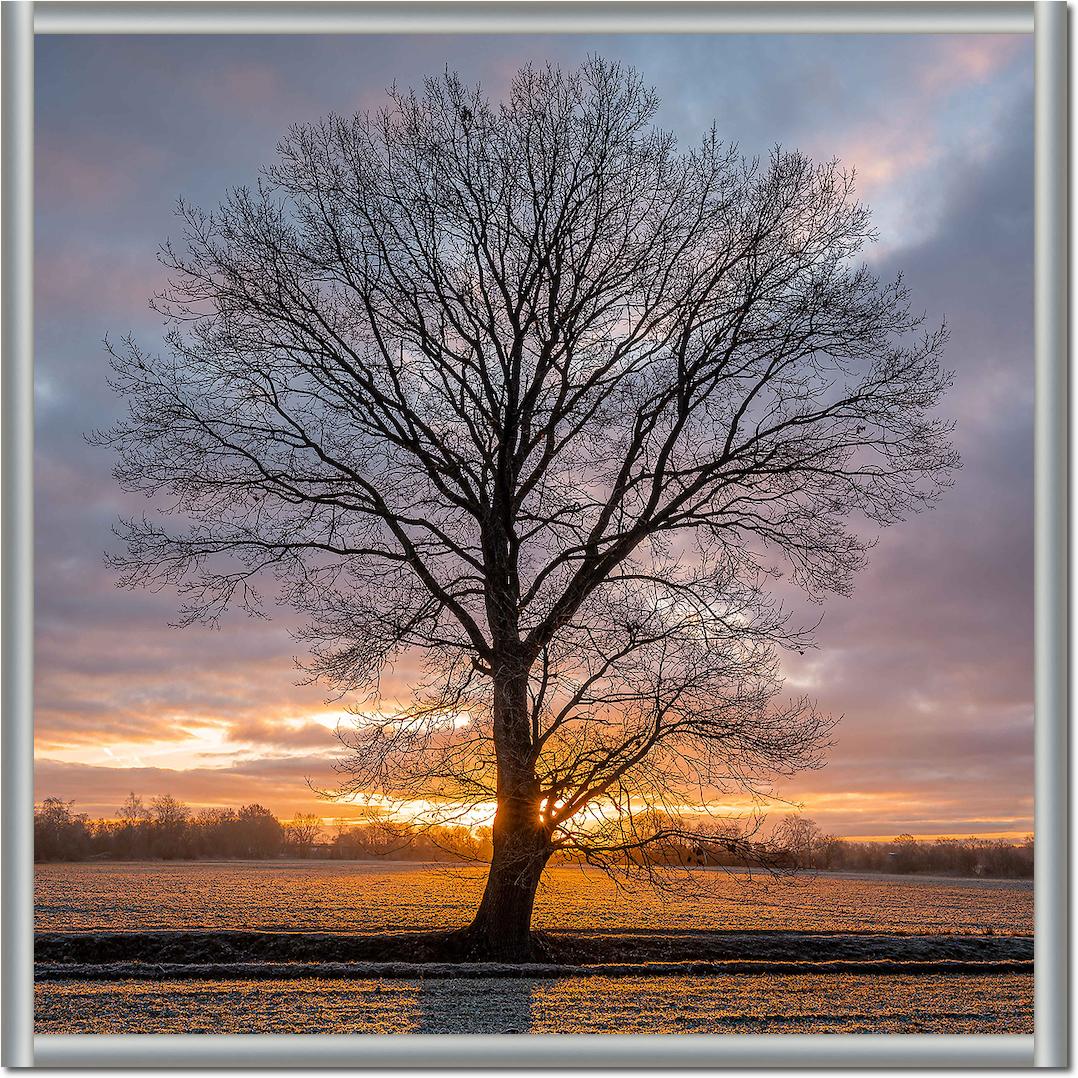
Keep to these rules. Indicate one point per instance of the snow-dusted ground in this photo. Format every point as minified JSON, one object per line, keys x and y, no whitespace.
{"x":738,"y":1004}
{"x":379,"y":897}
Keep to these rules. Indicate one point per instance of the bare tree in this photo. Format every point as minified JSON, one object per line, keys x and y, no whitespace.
{"x":133,"y":812}
{"x":527,"y":390}
{"x":303,"y":831}
{"x":799,"y":839}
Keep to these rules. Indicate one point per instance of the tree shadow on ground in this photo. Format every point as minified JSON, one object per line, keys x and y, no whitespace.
{"x":480,"y":1005}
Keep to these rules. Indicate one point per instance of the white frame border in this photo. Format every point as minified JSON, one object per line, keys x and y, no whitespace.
{"x":1049,"y":1045}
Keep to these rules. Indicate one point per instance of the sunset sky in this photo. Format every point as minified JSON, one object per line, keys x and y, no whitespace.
{"x":929,"y":663}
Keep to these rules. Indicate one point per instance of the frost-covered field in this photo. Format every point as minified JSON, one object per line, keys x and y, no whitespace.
{"x":91,"y":900}
{"x":378,"y":897}
{"x":743,"y":1004}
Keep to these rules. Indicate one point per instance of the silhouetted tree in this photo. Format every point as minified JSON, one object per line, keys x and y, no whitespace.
{"x":168,"y":827}
{"x":259,"y":832}
{"x":302,"y":832}
{"x":133,"y":811}
{"x":59,"y":833}
{"x":131,"y":836}
{"x":350,"y":842}
{"x":800,"y":839}
{"x":529,"y":391}
{"x":213,"y":833}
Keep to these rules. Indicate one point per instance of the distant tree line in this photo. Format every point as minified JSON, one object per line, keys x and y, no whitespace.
{"x":798,"y":843}
{"x":167,"y":829}
{"x":996,"y":858}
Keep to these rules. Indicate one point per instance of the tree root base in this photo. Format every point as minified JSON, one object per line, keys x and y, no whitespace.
{"x":470,"y":945}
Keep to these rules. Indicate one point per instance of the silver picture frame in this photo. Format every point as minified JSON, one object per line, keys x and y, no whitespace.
{"x":1048,"y":1047}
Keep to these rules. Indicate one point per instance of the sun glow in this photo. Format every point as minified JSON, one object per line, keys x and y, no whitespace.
{"x":294,"y":751}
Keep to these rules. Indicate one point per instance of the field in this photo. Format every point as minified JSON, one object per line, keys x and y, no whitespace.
{"x":816,"y":925}
{"x":379,"y":896}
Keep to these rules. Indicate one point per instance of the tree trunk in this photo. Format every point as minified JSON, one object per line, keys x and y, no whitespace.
{"x":501,"y":930}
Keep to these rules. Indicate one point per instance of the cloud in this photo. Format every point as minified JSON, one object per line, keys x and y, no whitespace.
{"x":964,"y":60}
{"x":929,"y":663}
{"x":90,"y":171}
{"x":281,"y":785}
